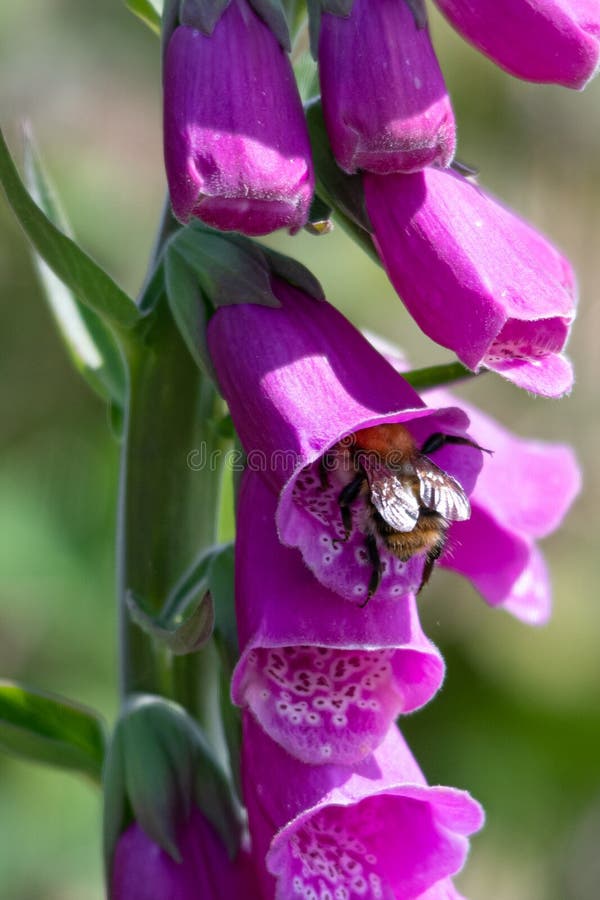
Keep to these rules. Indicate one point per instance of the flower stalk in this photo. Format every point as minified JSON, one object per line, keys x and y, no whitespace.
{"x":167,"y":510}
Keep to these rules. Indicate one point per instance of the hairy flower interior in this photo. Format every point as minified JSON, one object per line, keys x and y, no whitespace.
{"x":340,"y":564}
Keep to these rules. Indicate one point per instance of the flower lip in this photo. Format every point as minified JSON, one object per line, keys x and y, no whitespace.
{"x":453,"y":419}
{"x":323,"y":679}
{"x":310,"y":518}
{"x":378,"y":820}
{"x":511,"y":509}
{"x":260,"y":215}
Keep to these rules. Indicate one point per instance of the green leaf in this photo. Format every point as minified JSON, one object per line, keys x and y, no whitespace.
{"x":90,"y":343}
{"x":221,"y":579}
{"x":188,"y":306}
{"x":271,"y":12}
{"x":202,"y":15}
{"x":205,"y":270}
{"x":221,"y":576}
{"x":229,"y":269}
{"x":193,"y":582}
{"x":149,"y":11}
{"x":343,"y":193}
{"x":50,"y":729}
{"x":187,"y":634}
{"x":158,"y":765}
{"x":417,"y":7}
{"x":70,"y":263}
{"x":339,"y":7}
{"x":294,"y":273}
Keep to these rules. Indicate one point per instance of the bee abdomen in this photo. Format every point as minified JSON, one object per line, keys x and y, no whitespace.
{"x":427,"y":536}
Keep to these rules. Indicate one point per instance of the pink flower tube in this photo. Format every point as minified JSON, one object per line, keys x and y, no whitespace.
{"x":475,"y":278}
{"x":373,"y":831}
{"x":237,"y":152}
{"x":554,"y":41}
{"x":298,"y":380}
{"x":522,"y":494}
{"x":323,"y":678}
{"x":385,"y":103}
{"x":143,"y":871}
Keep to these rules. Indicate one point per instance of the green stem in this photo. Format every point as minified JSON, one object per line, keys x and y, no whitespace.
{"x":167,"y":508}
{"x":436,"y":376}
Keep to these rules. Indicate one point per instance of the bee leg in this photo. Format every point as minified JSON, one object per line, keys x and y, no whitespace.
{"x":430,"y":560}
{"x":438,"y":440}
{"x":348,"y":495}
{"x":375,"y":560}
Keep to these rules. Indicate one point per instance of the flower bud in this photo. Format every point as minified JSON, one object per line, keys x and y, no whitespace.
{"x":475,"y":277}
{"x":160,"y":780}
{"x":556,"y":41}
{"x":384,"y":99}
{"x":237,"y":152}
{"x":144,"y":871}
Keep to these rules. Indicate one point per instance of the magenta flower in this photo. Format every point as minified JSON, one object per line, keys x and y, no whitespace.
{"x":236,"y":146}
{"x":522,"y":494}
{"x":385,"y":103}
{"x":143,"y":871}
{"x":476,"y":279}
{"x":298,"y":380}
{"x":323,"y":679}
{"x":376,"y":830}
{"x":540,"y":40}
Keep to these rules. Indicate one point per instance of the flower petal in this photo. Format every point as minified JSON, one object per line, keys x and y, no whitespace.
{"x":237,"y":152}
{"x":475,"y":278}
{"x":385,"y":103}
{"x":375,"y":831}
{"x":555,"y":41}
{"x":323,"y":677}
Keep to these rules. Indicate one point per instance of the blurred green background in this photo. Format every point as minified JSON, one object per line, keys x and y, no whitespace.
{"x":518,"y":722}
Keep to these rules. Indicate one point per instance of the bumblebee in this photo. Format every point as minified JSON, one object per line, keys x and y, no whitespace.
{"x":410,"y":501}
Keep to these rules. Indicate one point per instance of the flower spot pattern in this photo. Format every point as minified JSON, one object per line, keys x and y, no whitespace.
{"x":324,"y":704}
{"x":344,"y":565}
{"x":328,"y":862}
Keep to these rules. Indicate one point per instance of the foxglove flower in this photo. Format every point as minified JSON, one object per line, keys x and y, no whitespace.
{"x":322,"y":678}
{"x":522,"y":494}
{"x":385,"y":103}
{"x":143,"y":871}
{"x":237,"y":152}
{"x":376,"y":830}
{"x":555,"y":41}
{"x":298,"y":380}
{"x":476,"y":279}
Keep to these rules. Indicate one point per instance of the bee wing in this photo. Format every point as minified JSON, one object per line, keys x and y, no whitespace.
{"x":441,"y":492}
{"x":392,"y":496}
